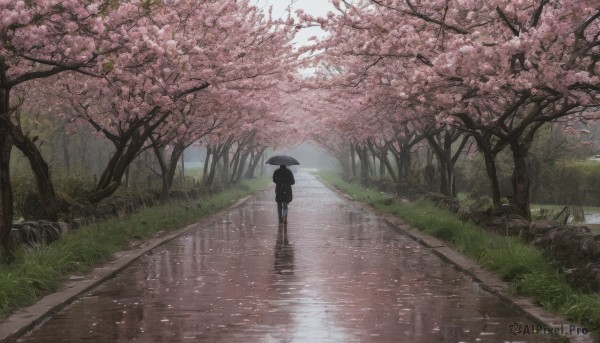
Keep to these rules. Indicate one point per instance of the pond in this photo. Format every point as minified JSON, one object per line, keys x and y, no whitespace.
{"x":592,"y":214}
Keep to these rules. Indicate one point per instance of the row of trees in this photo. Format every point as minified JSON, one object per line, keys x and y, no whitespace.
{"x":393,"y":75}
{"x":398,"y":73}
{"x":147,"y":75}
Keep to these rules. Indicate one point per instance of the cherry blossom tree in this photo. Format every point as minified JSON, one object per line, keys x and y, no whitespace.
{"x":129,"y":66}
{"x":189,"y":123}
{"x":40,"y":39}
{"x":251,"y":127}
{"x":166,"y":61}
{"x":496,"y":70}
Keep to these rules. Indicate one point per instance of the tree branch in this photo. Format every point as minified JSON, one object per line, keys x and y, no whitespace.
{"x":510,"y":25}
{"x":536,"y":16}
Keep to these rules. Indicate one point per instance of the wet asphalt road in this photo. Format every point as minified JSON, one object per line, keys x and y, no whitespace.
{"x":335,"y":273}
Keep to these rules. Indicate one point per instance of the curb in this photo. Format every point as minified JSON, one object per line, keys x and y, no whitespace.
{"x":487,"y":280}
{"x":27,"y":318}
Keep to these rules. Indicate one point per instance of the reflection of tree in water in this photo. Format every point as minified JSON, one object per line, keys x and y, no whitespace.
{"x":284,"y":253}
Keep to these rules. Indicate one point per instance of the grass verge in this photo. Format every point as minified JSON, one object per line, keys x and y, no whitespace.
{"x":35,"y":273}
{"x":527,"y":268}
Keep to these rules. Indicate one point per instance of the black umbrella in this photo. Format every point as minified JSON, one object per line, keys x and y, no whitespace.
{"x":282,"y":160}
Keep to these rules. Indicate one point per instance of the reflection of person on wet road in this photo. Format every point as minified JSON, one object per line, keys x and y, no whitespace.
{"x":284,"y":253}
{"x":284,"y":179}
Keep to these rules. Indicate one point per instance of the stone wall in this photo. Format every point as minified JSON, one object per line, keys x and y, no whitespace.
{"x":576,"y":248}
{"x":33,"y":234}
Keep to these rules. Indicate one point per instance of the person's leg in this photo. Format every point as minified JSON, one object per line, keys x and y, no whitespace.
{"x":280,"y":210}
{"x":284,"y":211}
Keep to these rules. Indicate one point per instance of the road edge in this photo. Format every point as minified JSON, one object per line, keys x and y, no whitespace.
{"x":486,"y":279}
{"x":26,"y":319}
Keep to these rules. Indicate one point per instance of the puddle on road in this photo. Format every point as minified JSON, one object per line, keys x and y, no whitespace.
{"x":334,"y":274}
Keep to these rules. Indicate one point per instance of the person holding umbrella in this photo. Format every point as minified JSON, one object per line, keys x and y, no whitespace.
{"x":283,"y":179}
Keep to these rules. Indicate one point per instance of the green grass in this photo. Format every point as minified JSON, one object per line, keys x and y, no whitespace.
{"x":526,"y":267}
{"x":35,"y":273}
{"x":195,"y":173}
{"x":594,"y":227}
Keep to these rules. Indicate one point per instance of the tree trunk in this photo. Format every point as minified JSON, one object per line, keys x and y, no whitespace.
{"x":218,"y":154}
{"x":235,"y":162}
{"x":206,"y":164}
{"x":176,"y":155}
{"x":66,"y":155}
{"x":520,"y":180}
{"x":241,"y":167}
{"x":111,"y":177}
{"x":164,"y":191}
{"x":448,"y":140}
{"x":182,"y":166}
{"x":252,"y":155}
{"x":490,"y":168}
{"x":249,"y":172}
{"x":361,"y":152}
{"x":84,"y":154}
{"x":492,"y":172}
{"x":446,"y":166}
{"x":6,"y":195}
{"x":441,"y":144}
{"x":128,"y":145}
{"x":398,"y":172}
{"x":404,"y":163}
{"x":370,"y":166}
{"x":263,"y":168}
{"x":353,"y":159}
{"x":213,"y":168}
{"x":343,"y":158}
{"x":226,"y":163}
{"x":381,"y":154}
{"x":373,"y":165}
{"x":169,"y":169}
{"x":127,"y":177}
{"x":445,"y":178}
{"x":41,"y":171}
{"x":386,"y":165}
{"x":257,"y":158}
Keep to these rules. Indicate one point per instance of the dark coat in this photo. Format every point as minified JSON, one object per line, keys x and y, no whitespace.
{"x":284,"y":179}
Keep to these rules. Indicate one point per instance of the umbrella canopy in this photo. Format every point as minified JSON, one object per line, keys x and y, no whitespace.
{"x":282,"y":160}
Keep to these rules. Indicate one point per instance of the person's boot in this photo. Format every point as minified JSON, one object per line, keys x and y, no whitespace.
{"x":280,"y":220}
{"x":284,"y":214}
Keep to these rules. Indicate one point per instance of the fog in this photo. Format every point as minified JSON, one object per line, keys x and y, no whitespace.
{"x":309,"y":156}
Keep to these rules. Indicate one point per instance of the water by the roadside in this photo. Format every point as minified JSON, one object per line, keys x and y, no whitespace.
{"x":592,"y":217}
{"x":591,"y":214}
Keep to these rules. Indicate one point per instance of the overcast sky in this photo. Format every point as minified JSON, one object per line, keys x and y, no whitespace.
{"x":317,"y":8}
{"x":314,"y":7}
